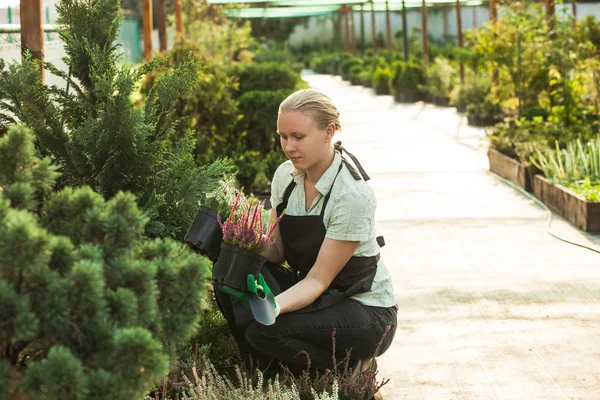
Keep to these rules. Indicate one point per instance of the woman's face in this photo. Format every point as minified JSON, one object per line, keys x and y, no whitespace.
{"x":301,"y":139}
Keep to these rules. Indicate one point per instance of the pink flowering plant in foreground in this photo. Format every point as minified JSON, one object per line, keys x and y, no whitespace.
{"x":247,"y":230}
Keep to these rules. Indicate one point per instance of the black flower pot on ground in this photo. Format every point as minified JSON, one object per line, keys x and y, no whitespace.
{"x":407,"y":96}
{"x":205,"y":234}
{"x":235,"y":264}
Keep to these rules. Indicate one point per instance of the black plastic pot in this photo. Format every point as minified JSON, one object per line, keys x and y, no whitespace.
{"x":235,"y":264}
{"x":205,"y":234}
{"x":407,"y":96}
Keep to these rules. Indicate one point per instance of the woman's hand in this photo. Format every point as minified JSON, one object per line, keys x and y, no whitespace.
{"x":274,"y":253}
{"x":333,"y":255}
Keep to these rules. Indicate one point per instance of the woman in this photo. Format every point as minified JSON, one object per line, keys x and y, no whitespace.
{"x":327,"y":235}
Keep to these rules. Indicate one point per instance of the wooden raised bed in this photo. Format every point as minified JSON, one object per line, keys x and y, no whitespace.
{"x":510,"y":169}
{"x":582,"y":213}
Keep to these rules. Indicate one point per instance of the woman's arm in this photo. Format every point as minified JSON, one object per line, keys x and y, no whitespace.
{"x":333,"y":255}
{"x":274,"y":253}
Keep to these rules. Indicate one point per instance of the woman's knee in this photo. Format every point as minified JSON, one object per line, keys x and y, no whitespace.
{"x":260,"y":336}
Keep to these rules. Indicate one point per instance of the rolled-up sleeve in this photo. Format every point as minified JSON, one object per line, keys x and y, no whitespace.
{"x":352,"y":217}
{"x":281,"y":179}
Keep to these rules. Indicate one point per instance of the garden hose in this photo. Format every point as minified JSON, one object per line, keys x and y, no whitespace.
{"x":516,"y":187}
{"x":545,"y":207}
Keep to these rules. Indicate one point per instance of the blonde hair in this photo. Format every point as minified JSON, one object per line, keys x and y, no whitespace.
{"x":315,"y":102}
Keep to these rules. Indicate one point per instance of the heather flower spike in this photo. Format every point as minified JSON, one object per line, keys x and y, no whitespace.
{"x":247,"y":230}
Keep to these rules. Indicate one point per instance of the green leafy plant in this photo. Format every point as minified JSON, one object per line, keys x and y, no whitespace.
{"x":355,"y":73}
{"x":587,"y":189}
{"x":440,"y":79}
{"x":265,"y":77}
{"x":574,"y":163}
{"x":88,"y":304}
{"x":325,"y":63}
{"x":218,"y":40}
{"x":407,"y":79}
{"x":347,"y":65}
{"x":382,"y":78}
{"x":95,"y":133}
{"x":221,"y":199}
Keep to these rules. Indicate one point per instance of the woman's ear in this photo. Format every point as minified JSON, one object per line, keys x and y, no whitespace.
{"x":330,"y":131}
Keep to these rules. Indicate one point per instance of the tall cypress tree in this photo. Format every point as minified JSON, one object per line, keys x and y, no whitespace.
{"x":90,"y":309}
{"x":94,"y":131}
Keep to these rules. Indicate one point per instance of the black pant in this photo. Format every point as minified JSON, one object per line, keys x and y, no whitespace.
{"x":357,"y":328}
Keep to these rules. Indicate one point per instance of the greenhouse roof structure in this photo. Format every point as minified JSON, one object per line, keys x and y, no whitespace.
{"x":307,"y":8}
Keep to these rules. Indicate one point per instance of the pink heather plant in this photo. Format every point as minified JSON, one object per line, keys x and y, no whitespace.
{"x":246,"y":231}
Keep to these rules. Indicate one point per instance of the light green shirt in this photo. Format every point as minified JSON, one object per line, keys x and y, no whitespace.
{"x":349,"y":215}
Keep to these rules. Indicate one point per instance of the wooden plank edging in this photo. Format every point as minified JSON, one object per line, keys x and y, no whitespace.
{"x":582,"y":213}
{"x":510,"y":169}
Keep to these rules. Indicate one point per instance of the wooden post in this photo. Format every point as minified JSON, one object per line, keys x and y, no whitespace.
{"x":574,"y":8}
{"x":445,"y":22}
{"x":352,"y":32}
{"x":424,"y":38}
{"x":346,"y":33}
{"x":550,"y":9}
{"x":388,"y":27}
{"x":147,"y":28}
{"x":32,"y":30}
{"x":373,"y":29}
{"x":493,"y":19}
{"x":162,"y":24}
{"x":460,"y":39}
{"x":362,"y":30}
{"x":550,"y":12}
{"x":48,"y":38}
{"x":178,"y":20}
{"x":404,"y":32}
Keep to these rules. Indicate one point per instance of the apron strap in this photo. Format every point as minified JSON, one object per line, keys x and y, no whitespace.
{"x":363,"y":173}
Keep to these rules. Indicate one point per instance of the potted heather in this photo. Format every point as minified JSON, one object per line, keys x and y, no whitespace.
{"x":204,"y":234}
{"x":244,"y":240}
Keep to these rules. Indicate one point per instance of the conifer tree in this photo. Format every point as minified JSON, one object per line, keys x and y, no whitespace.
{"x":94,"y":132}
{"x":90,"y":310}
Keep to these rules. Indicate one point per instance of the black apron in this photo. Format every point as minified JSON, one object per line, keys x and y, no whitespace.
{"x":302,"y":237}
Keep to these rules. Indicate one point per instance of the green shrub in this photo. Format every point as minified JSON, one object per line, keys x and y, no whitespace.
{"x":326,"y":63}
{"x":95,"y":132}
{"x":407,"y":78}
{"x":255,"y":169}
{"x":382,"y":78}
{"x":89,"y":306}
{"x":272,"y":54}
{"x":475,"y":90}
{"x":347,"y":65}
{"x":365,"y":77}
{"x":211,"y":337}
{"x":354,"y":74}
{"x":267,"y":76}
{"x":440,"y":79}
{"x":260,"y":108}
{"x":209,"y":110}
